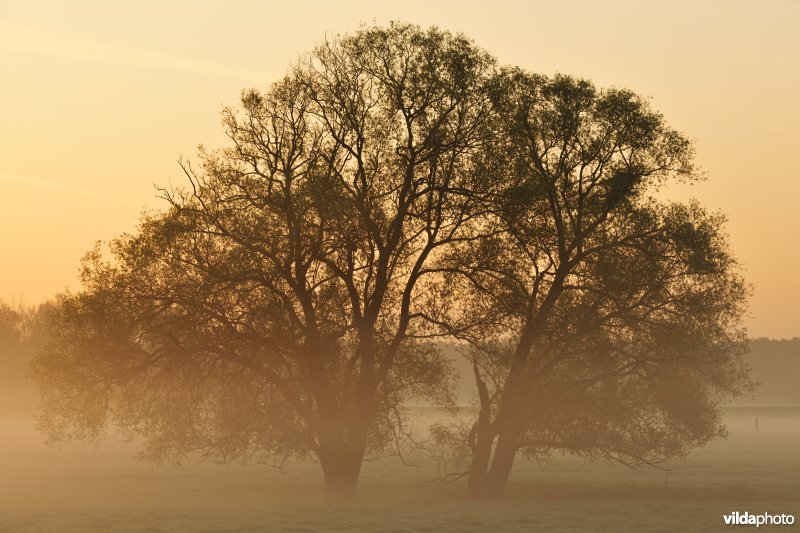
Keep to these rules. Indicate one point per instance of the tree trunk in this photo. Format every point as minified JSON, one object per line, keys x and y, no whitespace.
{"x":486,"y":481}
{"x":491,"y":464}
{"x":343,"y":441}
{"x":341,"y":469}
{"x":342,"y":437}
{"x":341,"y":453}
{"x":481,"y":457}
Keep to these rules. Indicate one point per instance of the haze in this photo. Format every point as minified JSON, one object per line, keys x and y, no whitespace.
{"x":99,"y":100}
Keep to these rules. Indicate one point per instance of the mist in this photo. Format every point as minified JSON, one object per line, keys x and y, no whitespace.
{"x":83,"y":486}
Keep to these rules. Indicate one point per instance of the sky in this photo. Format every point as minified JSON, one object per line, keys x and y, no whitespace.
{"x":99,"y":100}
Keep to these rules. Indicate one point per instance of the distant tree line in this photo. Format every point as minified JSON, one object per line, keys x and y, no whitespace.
{"x":23,"y":332}
{"x":774,"y":363}
{"x":775,"y":366}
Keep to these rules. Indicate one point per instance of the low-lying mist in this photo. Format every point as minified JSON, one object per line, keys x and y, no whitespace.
{"x":80,"y":486}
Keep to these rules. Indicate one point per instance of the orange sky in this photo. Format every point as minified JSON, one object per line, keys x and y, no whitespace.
{"x":99,"y":99}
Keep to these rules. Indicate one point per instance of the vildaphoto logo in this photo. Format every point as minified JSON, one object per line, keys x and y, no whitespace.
{"x":764,"y":519}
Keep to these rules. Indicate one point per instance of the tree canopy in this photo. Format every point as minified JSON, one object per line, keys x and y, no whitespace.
{"x":395,"y":188}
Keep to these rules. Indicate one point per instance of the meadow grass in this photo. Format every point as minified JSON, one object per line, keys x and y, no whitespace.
{"x":85,"y":488}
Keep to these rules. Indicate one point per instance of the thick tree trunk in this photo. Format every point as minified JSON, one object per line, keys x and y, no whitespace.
{"x":341,"y":469}
{"x":341,"y":453}
{"x":342,"y":438}
{"x":342,"y":433}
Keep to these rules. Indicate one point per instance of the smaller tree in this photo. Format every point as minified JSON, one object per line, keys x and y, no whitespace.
{"x":602,"y":321}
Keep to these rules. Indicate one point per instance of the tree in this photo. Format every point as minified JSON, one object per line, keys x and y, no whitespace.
{"x":601,"y":321}
{"x":280,"y":306}
{"x":395,"y":187}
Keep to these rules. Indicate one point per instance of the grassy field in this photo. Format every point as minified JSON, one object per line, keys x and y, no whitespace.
{"x":82,"y":488}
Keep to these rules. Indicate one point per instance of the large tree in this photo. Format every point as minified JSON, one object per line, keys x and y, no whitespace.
{"x":279,"y":306}
{"x":392,"y":188}
{"x":601,"y":320}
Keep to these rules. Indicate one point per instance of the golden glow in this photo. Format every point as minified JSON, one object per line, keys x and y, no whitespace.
{"x":64,"y":187}
{"x":99,"y":99}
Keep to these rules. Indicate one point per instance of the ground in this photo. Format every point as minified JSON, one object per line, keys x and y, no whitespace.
{"x":83,"y":488}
